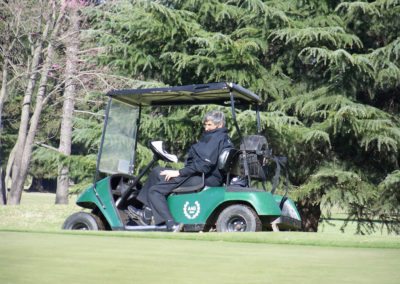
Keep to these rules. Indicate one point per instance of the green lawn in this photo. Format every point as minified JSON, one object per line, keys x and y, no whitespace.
{"x":27,"y":257}
{"x":33,"y":249}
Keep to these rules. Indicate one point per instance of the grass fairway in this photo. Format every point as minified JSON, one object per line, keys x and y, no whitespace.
{"x":33,"y":249}
{"x":27,"y":257}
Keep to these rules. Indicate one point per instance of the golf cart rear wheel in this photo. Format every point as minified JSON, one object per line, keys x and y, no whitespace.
{"x":83,"y":221}
{"x":238,"y":218}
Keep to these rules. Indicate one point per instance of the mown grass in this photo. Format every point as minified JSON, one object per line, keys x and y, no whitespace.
{"x":38,"y":213}
{"x":27,"y":257}
{"x":33,"y":249}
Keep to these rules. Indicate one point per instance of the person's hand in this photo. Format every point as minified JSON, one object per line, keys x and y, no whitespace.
{"x":169,"y":174}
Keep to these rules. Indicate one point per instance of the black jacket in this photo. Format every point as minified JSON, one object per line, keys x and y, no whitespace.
{"x":203,"y":156}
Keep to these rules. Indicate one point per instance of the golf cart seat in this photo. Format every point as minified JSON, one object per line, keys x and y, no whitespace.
{"x":190,"y":188}
{"x":224,"y":164}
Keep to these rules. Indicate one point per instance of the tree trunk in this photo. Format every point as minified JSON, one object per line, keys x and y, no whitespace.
{"x":3,"y":92}
{"x":3,"y":191}
{"x":72,"y":44}
{"x":3,"y":98}
{"x":310,"y":213}
{"x":23,"y":128}
{"x":19,"y":177}
{"x":25,"y":139}
{"x":3,"y":95}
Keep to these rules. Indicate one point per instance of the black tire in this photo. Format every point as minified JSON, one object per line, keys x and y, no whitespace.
{"x":83,"y":221}
{"x":238,"y":218}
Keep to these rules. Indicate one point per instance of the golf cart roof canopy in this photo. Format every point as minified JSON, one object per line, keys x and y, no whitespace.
{"x":213,"y":93}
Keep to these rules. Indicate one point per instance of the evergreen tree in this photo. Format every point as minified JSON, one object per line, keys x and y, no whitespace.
{"x":328,"y":73}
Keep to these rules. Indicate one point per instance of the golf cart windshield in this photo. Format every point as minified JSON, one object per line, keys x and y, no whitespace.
{"x":120,"y":134}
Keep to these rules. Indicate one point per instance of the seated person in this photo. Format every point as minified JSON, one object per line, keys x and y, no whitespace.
{"x":202,"y":159}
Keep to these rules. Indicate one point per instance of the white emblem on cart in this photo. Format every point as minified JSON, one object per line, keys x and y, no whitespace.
{"x":191,"y":211}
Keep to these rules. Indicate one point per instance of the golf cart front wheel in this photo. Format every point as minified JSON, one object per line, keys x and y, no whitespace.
{"x":238,"y":218}
{"x":83,"y":221}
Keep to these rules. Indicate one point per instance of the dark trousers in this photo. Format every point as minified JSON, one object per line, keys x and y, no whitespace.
{"x":155,"y":191}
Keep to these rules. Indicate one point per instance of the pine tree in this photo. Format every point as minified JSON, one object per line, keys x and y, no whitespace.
{"x":328,"y":73}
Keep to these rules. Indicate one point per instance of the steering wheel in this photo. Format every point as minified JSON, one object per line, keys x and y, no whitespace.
{"x":157,"y":147}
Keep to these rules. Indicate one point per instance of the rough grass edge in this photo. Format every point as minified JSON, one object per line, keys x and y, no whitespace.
{"x":280,"y":238}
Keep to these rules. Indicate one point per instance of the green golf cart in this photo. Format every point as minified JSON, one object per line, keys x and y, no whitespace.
{"x":237,"y":205}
